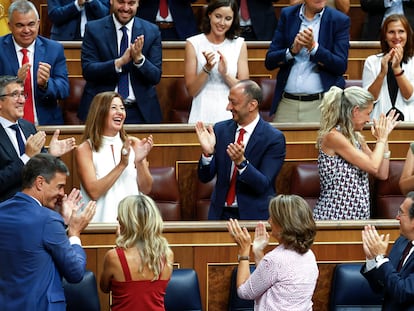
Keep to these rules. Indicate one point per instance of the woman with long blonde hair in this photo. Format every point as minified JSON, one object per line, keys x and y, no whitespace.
{"x":345,"y":159}
{"x":137,"y":271}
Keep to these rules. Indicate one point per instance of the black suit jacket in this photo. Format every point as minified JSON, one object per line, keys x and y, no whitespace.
{"x":10,"y":163}
{"x":181,"y":12}
{"x":263,"y":17}
{"x":371,"y":29}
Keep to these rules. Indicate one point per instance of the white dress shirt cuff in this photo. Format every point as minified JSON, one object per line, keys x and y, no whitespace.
{"x":75,"y":240}
{"x":141,"y":62}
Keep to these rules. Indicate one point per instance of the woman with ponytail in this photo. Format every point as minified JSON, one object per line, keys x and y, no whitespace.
{"x":345,"y":159}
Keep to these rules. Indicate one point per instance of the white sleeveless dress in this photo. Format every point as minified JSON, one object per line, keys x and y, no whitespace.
{"x":104,"y":161}
{"x":210,"y":104}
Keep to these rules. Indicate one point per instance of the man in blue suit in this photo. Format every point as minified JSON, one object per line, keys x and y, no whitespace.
{"x":47,"y":62}
{"x":255,"y":161}
{"x":103,"y":65}
{"x":35,"y":249}
{"x":310,"y":48}
{"x":178,"y":24}
{"x":393,"y":275}
{"x":12,"y":159}
{"x":69,"y":17}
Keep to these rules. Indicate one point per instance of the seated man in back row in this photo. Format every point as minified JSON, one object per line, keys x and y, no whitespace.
{"x":246,"y":153}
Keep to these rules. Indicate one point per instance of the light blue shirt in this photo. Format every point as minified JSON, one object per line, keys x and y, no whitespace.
{"x":392,"y":7}
{"x":304,"y":77}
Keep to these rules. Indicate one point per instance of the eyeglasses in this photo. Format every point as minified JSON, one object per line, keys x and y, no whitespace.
{"x":15,"y":95}
{"x":400,"y":213}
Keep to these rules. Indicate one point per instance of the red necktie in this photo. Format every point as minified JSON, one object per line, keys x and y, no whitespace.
{"x":404,"y":255}
{"x":231,"y":195}
{"x":28,"y":106}
{"x":163,"y":8}
{"x":244,"y":11}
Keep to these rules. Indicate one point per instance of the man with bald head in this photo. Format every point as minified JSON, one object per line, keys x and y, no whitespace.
{"x":245,"y":153}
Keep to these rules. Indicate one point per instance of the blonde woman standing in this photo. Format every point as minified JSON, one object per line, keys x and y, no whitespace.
{"x":345,"y":159}
{"x":138,"y":270}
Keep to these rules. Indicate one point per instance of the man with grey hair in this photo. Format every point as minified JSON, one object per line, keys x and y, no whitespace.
{"x":37,"y":61}
{"x":392,"y":275}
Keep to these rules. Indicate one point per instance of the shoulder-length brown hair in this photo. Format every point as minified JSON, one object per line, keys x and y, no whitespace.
{"x":234,"y":30}
{"x":96,"y":120}
{"x":409,"y":46}
{"x":295,"y":218}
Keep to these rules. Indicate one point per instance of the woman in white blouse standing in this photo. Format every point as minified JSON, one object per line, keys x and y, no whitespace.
{"x":389,"y":76}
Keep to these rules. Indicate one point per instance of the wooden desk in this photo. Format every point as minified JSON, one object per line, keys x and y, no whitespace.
{"x":208,"y":248}
{"x":177,"y":145}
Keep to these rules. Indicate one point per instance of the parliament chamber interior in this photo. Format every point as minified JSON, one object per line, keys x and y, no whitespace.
{"x":206,"y":246}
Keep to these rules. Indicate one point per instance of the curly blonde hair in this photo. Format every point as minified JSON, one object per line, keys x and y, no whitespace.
{"x":336,"y":110}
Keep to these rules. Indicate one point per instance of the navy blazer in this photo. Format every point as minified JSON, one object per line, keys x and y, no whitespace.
{"x":255,"y":187}
{"x":46,"y":51}
{"x":331,"y":56}
{"x":181,"y":12}
{"x":98,"y":54}
{"x":397,"y":287}
{"x":263,"y":18}
{"x":66,"y":17}
{"x":35,"y":255}
{"x":10,"y":164}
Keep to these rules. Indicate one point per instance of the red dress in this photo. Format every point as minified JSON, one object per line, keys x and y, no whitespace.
{"x":136,"y":295}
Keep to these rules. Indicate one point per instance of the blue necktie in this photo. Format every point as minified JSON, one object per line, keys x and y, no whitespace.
{"x":20,"y":142}
{"x":123,"y":85}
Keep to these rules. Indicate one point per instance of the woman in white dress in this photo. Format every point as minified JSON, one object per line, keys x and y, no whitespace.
{"x":393,"y":69}
{"x":111,"y":165}
{"x":215,"y":61}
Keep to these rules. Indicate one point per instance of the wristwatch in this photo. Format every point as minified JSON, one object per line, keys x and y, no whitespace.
{"x":379,"y":257}
{"x":240,"y":258}
{"x":242,"y":164}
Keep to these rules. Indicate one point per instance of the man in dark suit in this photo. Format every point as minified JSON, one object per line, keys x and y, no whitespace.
{"x":47,"y":63}
{"x":69,"y":17}
{"x":12,"y":159}
{"x":36,"y":251}
{"x":262,"y":22}
{"x":393,"y":275}
{"x":178,"y":23}
{"x":104,"y":67}
{"x":310,"y":48}
{"x":255,"y":160}
{"x":375,"y":12}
